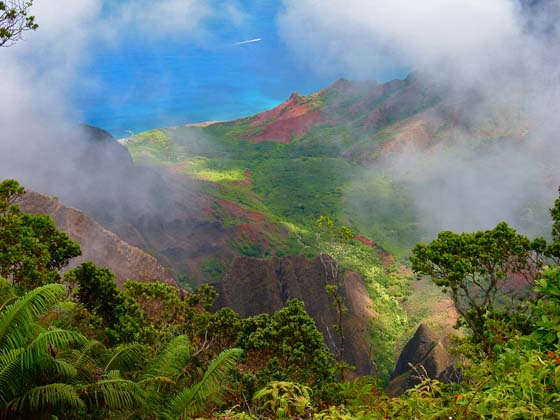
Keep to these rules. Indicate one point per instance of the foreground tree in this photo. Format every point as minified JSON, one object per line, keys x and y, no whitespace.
{"x":32,"y":249}
{"x":15,"y":20}
{"x":122,"y":318}
{"x":480,"y":270}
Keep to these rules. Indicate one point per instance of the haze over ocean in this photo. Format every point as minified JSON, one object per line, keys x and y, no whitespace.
{"x":139,"y":84}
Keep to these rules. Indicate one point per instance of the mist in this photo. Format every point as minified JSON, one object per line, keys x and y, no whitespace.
{"x":495,"y":63}
{"x":41,"y":142}
{"x":486,"y":56}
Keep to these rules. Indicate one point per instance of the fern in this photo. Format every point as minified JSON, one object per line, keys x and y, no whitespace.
{"x":46,"y":340}
{"x":126,"y":357}
{"x":46,"y":396}
{"x":114,"y":393}
{"x":210,"y":389}
{"x":10,"y":368}
{"x":171,"y":360}
{"x":17,"y":319}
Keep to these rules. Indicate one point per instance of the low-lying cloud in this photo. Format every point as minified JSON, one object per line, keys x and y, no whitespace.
{"x":39,"y":74}
{"x":361,"y":39}
{"x":503,"y":53}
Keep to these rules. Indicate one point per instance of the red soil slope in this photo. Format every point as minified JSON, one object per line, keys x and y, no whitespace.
{"x":290,"y":119}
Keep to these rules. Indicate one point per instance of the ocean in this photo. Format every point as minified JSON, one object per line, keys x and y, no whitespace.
{"x":143,"y":85}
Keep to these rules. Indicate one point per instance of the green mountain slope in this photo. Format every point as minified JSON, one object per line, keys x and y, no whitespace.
{"x":260,"y":183}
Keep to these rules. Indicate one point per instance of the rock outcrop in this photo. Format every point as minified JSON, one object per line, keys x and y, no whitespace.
{"x":253,"y":286}
{"x":98,"y":244}
{"x":428,"y":356}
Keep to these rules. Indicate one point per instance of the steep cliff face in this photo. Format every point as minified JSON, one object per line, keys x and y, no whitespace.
{"x":254,"y":286}
{"x":98,"y":244}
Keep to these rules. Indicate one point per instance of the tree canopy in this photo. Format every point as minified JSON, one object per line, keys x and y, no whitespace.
{"x":15,"y":20}
{"x":32,"y":249}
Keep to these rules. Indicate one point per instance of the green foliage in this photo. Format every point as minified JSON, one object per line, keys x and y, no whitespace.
{"x":209,"y":390}
{"x":287,"y":346}
{"x":328,"y":226}
{"x":29,"y":367}
{"x":122,"y":317}
{"x":553,"y":249}
{"x":248,"y":248}
{"x":16,"y":320}
{"x":284,"y":399}
{"x":303,"y":189}
{"x":386,"y":288}
{"x":32,"y":249}
{"x":475,"y":268}
{"x":160,"y":303}
{"x":380,"y":208}
{"x":15,"y":20}
{"x":547,"y":325}
{"x":214,"y":269}
{"x":333,"y":413}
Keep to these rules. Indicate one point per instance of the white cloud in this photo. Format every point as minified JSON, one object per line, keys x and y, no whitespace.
{"x":39,"y":71}
{"x":502,"y":54}
{"x":159,"y":19}
{"x":362,"y":38}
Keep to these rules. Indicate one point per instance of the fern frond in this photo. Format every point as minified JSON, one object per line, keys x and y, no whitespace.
{"x":210,"y":389}
{"x":164,"y":380}
{"x":10,"y":373}
{"x":17,"y":319}
{"x":48,"y":339}
{"x":115,"y":394}
{"x":44,"y":397}
{"x":171,"y":360}
{"x":54,"y":366}
{"x":113,"y":374}
{"x":126,"y":357}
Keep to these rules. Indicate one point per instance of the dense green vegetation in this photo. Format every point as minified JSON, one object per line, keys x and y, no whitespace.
{"x":291,"y":186}
{"x":88,"y":349}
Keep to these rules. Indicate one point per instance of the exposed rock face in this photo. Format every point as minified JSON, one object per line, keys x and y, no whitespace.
{"x":254,"y":286}
{"x":98,"y":244}
{"x":427,"y":353}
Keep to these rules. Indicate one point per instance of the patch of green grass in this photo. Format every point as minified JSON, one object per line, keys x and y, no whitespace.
{"x":300,"y":190}
{"x":213,"y":269}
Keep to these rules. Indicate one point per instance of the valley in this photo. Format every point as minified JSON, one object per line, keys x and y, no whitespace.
{"x":255,"y":188}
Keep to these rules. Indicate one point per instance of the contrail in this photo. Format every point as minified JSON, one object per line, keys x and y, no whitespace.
{"x":249,"y":41}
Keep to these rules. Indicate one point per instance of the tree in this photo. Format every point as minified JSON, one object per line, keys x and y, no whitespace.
{"x":123,"y":319}
{"x":287,"y":346}
{"x":15,"y":20}
{"x":476,"y":268}
{"x":32,"y":249}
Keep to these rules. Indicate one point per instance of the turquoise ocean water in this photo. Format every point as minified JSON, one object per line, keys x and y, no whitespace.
{"x":142,"y":85}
